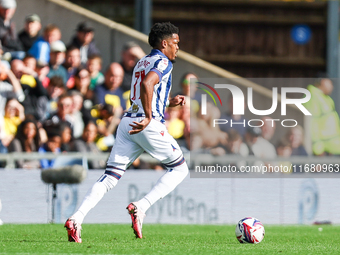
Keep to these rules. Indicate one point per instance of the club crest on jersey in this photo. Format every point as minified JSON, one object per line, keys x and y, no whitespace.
{"x":135,"y":108}
{"x":162,"y":133}
{"x":162,"y":65}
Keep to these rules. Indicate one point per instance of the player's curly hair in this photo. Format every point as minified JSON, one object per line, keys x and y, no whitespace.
{"x":161,"y":31}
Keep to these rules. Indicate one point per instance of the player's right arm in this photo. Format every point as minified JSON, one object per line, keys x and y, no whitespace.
{"x":150,"y":80}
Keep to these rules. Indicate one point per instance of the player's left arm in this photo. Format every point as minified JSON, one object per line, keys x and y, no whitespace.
{"x":177,"y":100}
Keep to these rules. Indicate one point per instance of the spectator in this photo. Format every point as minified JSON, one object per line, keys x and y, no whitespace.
{"x":42,"y":69}
{"x":77,"y":116}
{"x":295,"y":138}
{"x":31,"y":65}
{"x":32,"y":88}
{"x":193,"y":140}
{"x":14,"y":115}
{"x":185,"y":111}
{"x":284,"y":150}
{"x":30,"y":33}
{"x":268,"y":128}
{"x":237,"y":122}
{"x":235,"y":144}
{"x":189,"y":86}
{"x":3,"y":61}
{"x":110,"y":92}
{"x":57,"y":58}
{"x":52,"y":145}
{"x":325,"y":122}
{"x":107,"y":121}
{"x":64,"y":112}
{"x":66,"y":137}
{"x":41,"y":48}
{"x":84,"y":41}
{"x":21,"y":71}
{"x":211,"y":136}
{"x":8,"y":34}
{"x":87,"y":144}
{"x":71,"y":64}
{"x":55,"y":89}
{"x":174,"y":124}
{"x":187,"y":118}
{"x":257,"y":145}
{"x":131,"y":54}
{"x":27,"y":140}
{"x":94,"y":65}
{"x":9,"y":89}
{"x":82,"y":83}
{"x":36,"y":69}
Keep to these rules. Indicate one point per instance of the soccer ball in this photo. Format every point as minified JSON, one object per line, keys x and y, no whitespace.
{"x":249,"y":230}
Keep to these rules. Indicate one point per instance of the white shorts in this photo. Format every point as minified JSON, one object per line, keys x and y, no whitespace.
{"x":154,"y":139}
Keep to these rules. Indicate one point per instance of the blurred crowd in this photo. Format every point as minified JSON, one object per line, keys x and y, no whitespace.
{"x":243,"y":140}
{"x":56,"y":97}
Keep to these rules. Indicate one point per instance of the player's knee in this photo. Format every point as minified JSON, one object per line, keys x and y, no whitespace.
{"x":183,"y":169}
{"x":181,"y":172}
{"x":178,"y":165}
{"x":109,"y":181}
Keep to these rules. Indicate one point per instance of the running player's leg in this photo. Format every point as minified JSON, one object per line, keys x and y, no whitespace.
{"x":123,"y":153}
{"x":156,"y":140}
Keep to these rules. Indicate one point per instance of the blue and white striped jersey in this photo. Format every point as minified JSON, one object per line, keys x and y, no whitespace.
{"x":157,"y":62}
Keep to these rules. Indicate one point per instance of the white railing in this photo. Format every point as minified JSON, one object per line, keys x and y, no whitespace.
{"x":193,"y":159}
{"x":11,"y":157}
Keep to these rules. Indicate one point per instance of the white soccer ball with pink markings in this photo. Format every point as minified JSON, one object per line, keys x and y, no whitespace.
{"x":249,"y":230}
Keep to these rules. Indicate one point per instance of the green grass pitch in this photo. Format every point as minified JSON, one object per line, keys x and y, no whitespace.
{"x":166,"y":239}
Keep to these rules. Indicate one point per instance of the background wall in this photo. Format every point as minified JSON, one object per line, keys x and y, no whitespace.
{"x":202,"y":201}
{"x":251,"y":38}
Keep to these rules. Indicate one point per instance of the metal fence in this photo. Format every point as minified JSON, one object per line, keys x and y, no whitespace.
{"x":295,"y":163}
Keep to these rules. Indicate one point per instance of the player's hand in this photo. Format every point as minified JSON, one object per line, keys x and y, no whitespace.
{"x":139,"y":126}
{"x":177,"y":100}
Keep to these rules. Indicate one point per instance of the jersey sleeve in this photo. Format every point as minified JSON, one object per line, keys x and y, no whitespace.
{"x":161,"y":67}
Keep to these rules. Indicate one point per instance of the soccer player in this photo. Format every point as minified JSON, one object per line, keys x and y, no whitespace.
{"x":142,"y":129}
